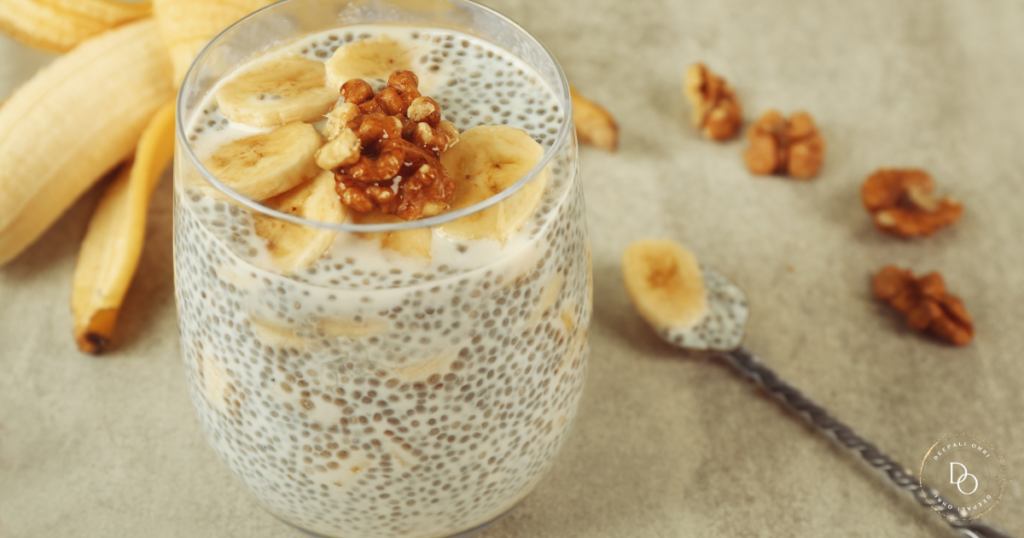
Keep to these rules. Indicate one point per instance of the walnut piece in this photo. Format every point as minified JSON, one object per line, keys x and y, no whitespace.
{"x":778,"y":146}
{"x":595,"y":126}
{"x":901,"y":202}
{"x":716,"y":110}
{"x":385,"y":154}
{"x":925,"y":303}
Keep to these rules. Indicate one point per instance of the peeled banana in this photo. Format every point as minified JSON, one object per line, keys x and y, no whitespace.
{"x":267,"y":164}
{"x":665,"y":283}
{"x":487,"y":160}
{"x":74,"y":121}
{"x":276,"y":92}
{"x":293,"y":246}
{"x":188,"y":25}
{"x":113,"y":243}
{"x":60,"y":25}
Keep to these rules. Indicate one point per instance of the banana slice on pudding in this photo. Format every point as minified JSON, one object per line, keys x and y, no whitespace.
{"x":292,"y":246}
{"x":276,"y":92}
{"x":487,"y":160}
{"x":267,"y":164}
{"x":372,"y":60}
{"x":414,"y":243}
{"x":665,"y":283}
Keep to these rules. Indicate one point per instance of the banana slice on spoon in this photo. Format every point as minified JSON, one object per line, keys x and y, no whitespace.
{"x":689,"y":304}
{"x":694,"y":307}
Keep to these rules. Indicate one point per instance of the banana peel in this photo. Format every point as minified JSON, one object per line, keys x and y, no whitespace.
{"x":60,"y":25}
{"x":74,"y":121}
{"x":113,"y":243}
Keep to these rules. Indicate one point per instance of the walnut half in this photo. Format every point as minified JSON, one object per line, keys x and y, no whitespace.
{"x":716,"y":110}
{"x":925,"y":303}
{"x":780,"y":146}
{"x":901,"y":202}
{"x":595,"y":126}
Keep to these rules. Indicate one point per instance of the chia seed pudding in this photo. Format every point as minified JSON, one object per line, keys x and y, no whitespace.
{"x":376,"y":394}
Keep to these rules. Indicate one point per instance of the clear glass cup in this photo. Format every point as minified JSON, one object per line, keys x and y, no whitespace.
{"x":356,"y":401}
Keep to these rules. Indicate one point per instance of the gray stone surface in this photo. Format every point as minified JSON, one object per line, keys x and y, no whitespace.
{"x":665,"y":445}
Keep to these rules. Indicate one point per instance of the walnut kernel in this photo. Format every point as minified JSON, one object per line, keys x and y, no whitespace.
{"x":901,"y":202}
{"x":385,"y":154}
{"x":716,"y":110}
{"x":925,"y":303}
{"x":777,"y":145}
{"x":595,"y":126}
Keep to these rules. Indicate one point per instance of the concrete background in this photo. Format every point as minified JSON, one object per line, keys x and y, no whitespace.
{"x":665,"y":445}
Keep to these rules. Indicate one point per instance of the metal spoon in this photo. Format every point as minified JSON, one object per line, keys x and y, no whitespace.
{"x":720,"y":332}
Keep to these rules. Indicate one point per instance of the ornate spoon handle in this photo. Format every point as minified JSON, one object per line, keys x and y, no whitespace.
{"x":747,"y":364}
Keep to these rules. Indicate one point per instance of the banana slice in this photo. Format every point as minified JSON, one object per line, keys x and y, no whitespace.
{"x":267,"y":164}
{"x":547,"y":298}
{"x":420,"y":369}
{"x":486,"y":161}
{"x":277,"y":334}
{"x":352,"y":327}
{"x":665,"y":283}
{"x":215,"y":383}
{"x":372,"y":60}
{"x":276,"y":92}
{"x":308,"y":336}
{"x":415,"y":243}
{"x":293,"y":246}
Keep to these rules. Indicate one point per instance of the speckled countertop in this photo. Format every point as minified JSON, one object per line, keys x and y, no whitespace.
{"x":665,"y":445}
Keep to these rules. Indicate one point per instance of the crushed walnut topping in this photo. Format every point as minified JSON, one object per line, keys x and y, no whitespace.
{"x":902,"y":202}
{"x":779,"y":146}
{"x":383,"y":148}
{"x":926,"y":303}
{"x":716,"y":110}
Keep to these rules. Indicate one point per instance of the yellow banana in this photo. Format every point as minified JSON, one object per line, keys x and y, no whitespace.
{"x":60,"y":25}
{"x":188,"y":25}
{"x":113,"y":243}
{"x":74,"y":121}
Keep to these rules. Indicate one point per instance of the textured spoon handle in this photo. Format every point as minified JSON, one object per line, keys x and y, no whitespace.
{"x":747,"y":364}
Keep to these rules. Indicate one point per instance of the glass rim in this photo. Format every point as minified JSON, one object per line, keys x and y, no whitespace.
{"x":561,"y":137}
